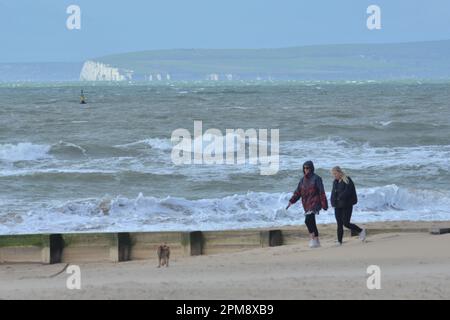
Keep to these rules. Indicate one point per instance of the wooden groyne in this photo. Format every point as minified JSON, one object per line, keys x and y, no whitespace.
{"x":125,"y":246}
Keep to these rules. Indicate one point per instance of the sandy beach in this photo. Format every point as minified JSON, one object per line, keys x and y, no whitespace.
{"x":225,"y":137}
{"x":413,"y":266}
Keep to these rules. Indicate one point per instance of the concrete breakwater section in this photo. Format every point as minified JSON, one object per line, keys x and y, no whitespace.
{"x":117,"y":247}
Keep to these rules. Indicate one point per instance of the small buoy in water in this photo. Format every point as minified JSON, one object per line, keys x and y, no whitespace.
{"x":82,"y":98}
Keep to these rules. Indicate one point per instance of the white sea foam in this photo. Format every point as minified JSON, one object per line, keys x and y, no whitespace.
{"x":154,"y":143}
{"x":329,"y":153}
{"x":31,"y":172}
{"x":254,"y":209}
{"x":23,"y":152}
{"x":67,"y":147}
{"x":166,"y":145}
{"x":332,"y":148}
{"x":385,"y":123}
{"x":155,"y":158}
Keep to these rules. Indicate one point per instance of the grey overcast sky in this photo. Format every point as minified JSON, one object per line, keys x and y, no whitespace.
{"x":35,"y":30}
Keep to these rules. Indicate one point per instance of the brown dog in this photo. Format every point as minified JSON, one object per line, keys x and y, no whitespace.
{"x":163,"y":255}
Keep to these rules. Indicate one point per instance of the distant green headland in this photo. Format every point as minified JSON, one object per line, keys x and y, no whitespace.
{"x":321,"y":62}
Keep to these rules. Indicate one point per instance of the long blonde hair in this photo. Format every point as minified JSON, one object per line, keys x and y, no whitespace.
{"x":342,"y":172}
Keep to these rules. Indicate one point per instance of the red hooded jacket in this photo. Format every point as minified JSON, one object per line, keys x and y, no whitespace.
{"x":311,"y":190}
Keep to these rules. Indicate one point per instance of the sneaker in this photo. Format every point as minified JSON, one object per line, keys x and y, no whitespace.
{"x":316,"y":243}
{"x":338,"y":244}
{"x":362,"y":235}
{"x":311,"y":243}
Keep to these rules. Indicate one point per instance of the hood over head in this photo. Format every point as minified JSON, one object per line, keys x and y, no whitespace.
{"x":308,"y":164}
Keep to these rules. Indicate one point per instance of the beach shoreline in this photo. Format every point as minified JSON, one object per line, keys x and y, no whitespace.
{"x":413,"y":264}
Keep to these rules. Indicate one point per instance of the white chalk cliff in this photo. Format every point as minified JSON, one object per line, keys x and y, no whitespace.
{"x":97,"y":71}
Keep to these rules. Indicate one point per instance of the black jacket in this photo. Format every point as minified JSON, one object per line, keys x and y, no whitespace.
{"x":343,"y":195}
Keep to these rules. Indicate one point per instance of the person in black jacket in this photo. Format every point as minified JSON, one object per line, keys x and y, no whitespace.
{"x":343,"y":198}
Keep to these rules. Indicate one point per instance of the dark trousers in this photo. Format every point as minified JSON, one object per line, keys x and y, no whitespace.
{"x":310,"y":221}
{"x":343,"y":216}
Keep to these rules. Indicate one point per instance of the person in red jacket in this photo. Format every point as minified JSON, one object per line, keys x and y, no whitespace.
{"x":310,"y":189}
